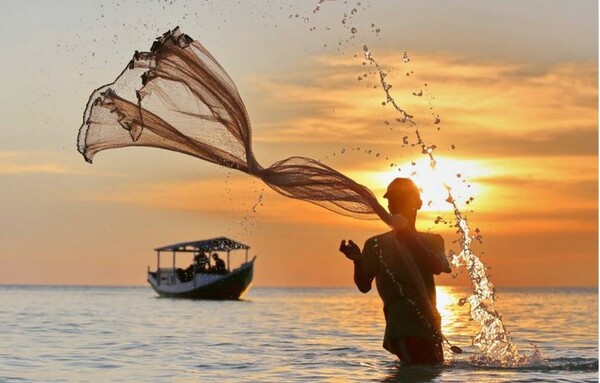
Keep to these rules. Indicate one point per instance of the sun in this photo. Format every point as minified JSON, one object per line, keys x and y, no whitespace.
{"x":457,"y":176}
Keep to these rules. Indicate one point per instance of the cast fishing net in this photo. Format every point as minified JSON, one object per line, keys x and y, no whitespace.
{"x":178,"y":97}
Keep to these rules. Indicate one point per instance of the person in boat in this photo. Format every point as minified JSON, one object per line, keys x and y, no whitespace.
{"x":201,"y":263}
{"x":403,"y":262}
{"x":219,"y":267}
{"x":184,"y":275}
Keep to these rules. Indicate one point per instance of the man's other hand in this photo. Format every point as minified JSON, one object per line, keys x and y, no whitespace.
{"x":350,"y":250}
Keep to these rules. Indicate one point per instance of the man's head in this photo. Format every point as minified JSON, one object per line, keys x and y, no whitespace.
{"x":403,"y":197}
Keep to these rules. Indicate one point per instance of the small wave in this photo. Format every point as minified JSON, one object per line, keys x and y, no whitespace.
{"x":9,"y":379}
{"x":574,"y":364}
{"x":558,"y":364}
{"x":347,"y":349}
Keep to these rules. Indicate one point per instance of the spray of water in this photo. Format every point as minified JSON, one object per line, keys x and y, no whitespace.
{"x":493,"y":339}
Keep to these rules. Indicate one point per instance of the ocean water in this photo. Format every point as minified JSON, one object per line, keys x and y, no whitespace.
{"x":128,"y":334}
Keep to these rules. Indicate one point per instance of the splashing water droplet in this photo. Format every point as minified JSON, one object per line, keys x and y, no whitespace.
{"x":405,"y":57}
{"x":353,"y":30}
{"x":367,"y":53}
{"x":493,"y":339}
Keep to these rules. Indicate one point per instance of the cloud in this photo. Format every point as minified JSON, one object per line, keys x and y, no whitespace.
{"x":532,"y":133}
{"x":15,"y":163}
{"x":513,"y":205}
{"x":569,"y":142}
{"x":12,"y":169}
{"x":481,"y":104}
{"x":26,"y":162}
{"x":242,"y":199}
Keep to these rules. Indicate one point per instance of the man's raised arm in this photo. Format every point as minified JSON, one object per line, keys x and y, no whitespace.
{"x":362,"y":278}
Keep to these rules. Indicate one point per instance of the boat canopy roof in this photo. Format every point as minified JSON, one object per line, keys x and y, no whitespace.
{"x":214,"y":244}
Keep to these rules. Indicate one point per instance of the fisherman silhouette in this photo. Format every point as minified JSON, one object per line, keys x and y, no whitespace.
{"x":413,"y":325}
{"x":219,"y":267}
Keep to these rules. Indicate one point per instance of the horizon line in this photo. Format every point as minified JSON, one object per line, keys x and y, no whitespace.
{"x":294,"y":287}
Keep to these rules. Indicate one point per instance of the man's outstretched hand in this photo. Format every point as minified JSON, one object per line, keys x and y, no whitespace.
{"x":351,"y":250}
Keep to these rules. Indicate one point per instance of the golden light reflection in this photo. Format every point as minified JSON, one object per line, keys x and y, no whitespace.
{"x":449,"y":173}
{"x":445,"y":299}
{"x":453,"y":315}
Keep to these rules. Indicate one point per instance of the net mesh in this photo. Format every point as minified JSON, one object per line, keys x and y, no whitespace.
{"x":178,"y":97}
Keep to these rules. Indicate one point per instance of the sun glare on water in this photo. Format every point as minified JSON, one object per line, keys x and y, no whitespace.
{"x":445,"y":299}
{"x":446,"y":302}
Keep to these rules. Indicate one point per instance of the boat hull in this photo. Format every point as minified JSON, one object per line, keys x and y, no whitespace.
{"x":230,"y":286}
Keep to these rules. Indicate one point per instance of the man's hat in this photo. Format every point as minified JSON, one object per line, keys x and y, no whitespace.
{"x":401,"y":186}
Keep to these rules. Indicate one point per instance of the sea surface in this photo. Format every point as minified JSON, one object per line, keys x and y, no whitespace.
{"x":128,"y":334}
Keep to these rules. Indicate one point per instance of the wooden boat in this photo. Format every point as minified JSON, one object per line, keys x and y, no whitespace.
{"x":199,"y":281}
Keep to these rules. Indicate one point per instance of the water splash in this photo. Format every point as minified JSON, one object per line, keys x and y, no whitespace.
{"x":405,"y":57}
{"x":249,"y":221}
{"x":405,"y":117}
{"x":259,"y":202}
{"x":493,"y":339}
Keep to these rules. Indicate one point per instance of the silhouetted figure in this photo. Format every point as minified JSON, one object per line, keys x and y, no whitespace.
{"x":184,"y":275}
{"x":412,"y":323}
{"x":201,"y":263}
{"x":219,"y":267}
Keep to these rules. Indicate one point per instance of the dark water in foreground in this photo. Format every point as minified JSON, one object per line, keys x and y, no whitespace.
{"x":126,"y":334}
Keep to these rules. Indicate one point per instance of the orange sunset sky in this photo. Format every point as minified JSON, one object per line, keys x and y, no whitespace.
{"x":514,"y":83}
